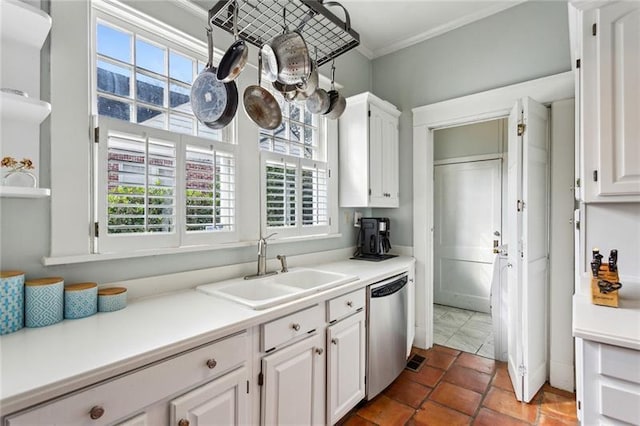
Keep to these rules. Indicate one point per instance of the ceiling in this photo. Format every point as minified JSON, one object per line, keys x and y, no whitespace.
{"x":389,"y":25}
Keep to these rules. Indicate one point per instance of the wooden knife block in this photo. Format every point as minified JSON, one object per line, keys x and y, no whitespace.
{"x":604,"y":299}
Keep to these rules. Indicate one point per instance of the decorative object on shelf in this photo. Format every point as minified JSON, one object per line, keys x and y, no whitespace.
{"x":213,"y":102}
{"x":44,"y":301}
{"x":605,"y":280}
{"x":14,"y":92}
{"x":18,"y":175}
{"x":80,"y":300}
{"x":11,"y":301}
{"x":112,"y":299}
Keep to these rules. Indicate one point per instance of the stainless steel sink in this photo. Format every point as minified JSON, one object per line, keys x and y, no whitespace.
{"x":273,"y":290}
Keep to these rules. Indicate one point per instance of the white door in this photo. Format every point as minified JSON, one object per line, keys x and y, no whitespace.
{"x":468,"y":203}
{"x":223,"y":401}
{"x":293,"y":388}
{"x":346,"y":364}
{"x":527,"y":218}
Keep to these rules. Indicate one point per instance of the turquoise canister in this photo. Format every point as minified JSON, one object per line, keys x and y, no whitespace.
{"x":80,"y":300}
{"x":43,"y":301}
{"x":112,"y":299}
{"x":11,"y":301}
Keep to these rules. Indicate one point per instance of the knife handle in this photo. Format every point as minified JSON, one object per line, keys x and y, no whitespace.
{"x":613,"y":260}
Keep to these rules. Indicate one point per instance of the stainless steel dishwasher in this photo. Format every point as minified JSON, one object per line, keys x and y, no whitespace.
{"x":386,"y":332}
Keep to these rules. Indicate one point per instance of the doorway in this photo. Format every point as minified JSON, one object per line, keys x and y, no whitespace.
{"x":468,"y":205}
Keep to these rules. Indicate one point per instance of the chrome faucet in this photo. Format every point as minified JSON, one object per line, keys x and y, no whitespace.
{"x":262,"y":259}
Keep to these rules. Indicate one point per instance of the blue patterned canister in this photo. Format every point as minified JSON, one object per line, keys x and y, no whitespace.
{"x":43,"y":301}
{"x":112,"y":299}
{"x":11,"y":301}
{"x":80,"y":300}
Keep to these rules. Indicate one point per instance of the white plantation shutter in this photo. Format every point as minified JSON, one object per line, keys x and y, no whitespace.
{"x":158,"y":189}
{"x":210,"y":190}
{"x":295,"y":194}
{"x":315,"y":201}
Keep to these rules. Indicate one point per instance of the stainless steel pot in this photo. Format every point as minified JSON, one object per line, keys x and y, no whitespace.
{"x":318,"y":102}
{"x":260,"y":105}
{"x":235,"y":58}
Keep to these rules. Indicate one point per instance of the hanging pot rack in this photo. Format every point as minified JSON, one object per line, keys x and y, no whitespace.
{"x":261,"y":21}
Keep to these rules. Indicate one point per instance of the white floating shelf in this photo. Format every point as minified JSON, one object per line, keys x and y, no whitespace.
{"x":20,"y":192}
{"x":24,"y":23}
{"x":21,"y":108}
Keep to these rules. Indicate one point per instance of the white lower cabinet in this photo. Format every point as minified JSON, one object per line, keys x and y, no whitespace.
{"x":223,"y":401}
{"x":608,"y":385}
{"x":293,"y":384}
{"x":346,"y":351}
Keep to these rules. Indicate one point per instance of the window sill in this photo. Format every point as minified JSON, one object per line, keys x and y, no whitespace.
{"x":86,"y":258}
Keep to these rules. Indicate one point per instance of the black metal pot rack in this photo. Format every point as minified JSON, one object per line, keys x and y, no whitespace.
{"x":261,"y":21}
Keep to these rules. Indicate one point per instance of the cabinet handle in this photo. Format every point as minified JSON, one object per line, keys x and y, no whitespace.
{"x":183,"y":422}
{"x":96,"y":412}
{"x":211,"y":363}
{"x":319,"y":351}
{"x":334,"y":341}
{"x":295,"y":326}
{"x":349,"y":303}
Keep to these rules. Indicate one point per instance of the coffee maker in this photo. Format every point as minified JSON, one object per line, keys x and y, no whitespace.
{"x":373,"y":239}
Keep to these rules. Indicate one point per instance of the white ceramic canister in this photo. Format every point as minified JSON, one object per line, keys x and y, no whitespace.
{"x":43,"y":301}
{"x":11,"y":301}
{"x":80,"y":300}
{"x":112,"y":299}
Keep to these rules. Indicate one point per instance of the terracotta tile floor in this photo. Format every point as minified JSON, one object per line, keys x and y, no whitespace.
{"x":459,"y":388}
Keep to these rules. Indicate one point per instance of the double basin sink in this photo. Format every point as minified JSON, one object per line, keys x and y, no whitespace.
{"x":273,"y":290}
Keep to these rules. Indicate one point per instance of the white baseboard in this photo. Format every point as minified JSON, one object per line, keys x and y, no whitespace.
{"x":562,"y":376}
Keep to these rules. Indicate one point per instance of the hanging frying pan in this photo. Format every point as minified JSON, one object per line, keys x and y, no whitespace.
{"x":235,"y":58}
{"x":260,"y":105}
{"x":213,"y":102}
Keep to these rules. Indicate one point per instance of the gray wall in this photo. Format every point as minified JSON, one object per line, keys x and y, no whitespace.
{"x":25,"y":224}
{"x":524,"y":42}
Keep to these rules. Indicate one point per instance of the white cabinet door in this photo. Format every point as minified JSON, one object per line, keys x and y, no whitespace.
{"x":376,"y":156}
{"x":346,"y":365}
{"x":293,"y":390}
{"x":224,"y":401}
{"x":611,"y":102}
{"x":390,"y":167}
{"x":527,"y":216}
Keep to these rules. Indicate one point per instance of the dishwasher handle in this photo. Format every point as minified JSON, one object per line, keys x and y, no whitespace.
{"x":390,"y":288}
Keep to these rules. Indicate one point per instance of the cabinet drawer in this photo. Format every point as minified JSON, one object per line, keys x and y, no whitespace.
{"x":620,"y":363}
{"x":346,"y":304}
{"x":123,"y":396}
{"x":620,"y":403}
{"x":282,"y":330}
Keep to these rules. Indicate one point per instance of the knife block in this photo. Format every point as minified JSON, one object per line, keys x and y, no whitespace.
{"x":604,"y":299}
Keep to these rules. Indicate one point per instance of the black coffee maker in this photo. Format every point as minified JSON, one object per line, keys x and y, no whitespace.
{"x":373,"y":239}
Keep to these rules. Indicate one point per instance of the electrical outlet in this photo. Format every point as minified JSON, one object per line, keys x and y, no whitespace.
{"x":356,"y":219}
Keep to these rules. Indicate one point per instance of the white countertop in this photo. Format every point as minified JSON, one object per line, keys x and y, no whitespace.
{"x":614,"y":326}
{"x":38,"y":364}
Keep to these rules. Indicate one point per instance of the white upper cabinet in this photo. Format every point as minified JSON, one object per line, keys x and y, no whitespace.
{"x":369,"y":153}
{"x":609,"y":80}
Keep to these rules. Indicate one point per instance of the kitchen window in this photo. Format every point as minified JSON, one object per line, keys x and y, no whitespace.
{"x":162,"y":178}
{"x":295,"y":173}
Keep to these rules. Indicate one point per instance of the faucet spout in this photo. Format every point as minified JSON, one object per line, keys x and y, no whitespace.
{"x":262,"y":258}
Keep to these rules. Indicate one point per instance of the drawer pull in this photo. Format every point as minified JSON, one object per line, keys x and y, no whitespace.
{"x":96,"y":412}
{"x":319,"y":351}
{"x":211,"y":363}
{"x":183,"y":422}
{"x":334,"y":341}
{"x":295,"y":326}
{"x":349,"y":303}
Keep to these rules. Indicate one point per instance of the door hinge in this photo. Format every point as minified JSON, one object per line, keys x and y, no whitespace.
{"x":521,"y":129}
{"x":329,"y":221}
{"x":578,"y":183}
{"x":579,"y":405}
{"x":522,"y":370}
{"x":369,"y":191}
{"x":594,"y":29}
{"x":329,"y":173}
{"x":369,"y":113}
{"x":247,"y":386}
{"x":96,"y":229}
{"x":520,"y":205}
{"x":260,"y":379}
{"x":96,"y":134}
{"x":578,"y":63}
{"x":595,"y":175}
